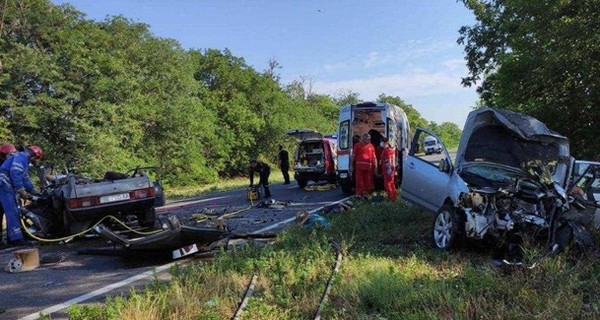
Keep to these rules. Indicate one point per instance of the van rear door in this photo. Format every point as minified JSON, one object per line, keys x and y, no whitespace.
{"x":304,"y":134}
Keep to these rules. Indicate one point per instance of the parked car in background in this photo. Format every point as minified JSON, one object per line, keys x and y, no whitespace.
{"x":509,"y":179}
{"x":379,"y":120}
{"x":315,"y":158}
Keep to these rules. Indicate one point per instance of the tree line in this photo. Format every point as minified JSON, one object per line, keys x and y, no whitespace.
{"x":539,"y":58}
{"x":110,"y":95}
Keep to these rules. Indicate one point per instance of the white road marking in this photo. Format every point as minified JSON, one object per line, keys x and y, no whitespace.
{"x":294,"y":187}
{"x":284,"y":222}
{"x":146,"y":274}
{"x":98,"y":292}
{"x":185,"y":203}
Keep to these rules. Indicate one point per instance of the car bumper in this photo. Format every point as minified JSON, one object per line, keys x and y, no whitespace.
{"x":129,"y":207}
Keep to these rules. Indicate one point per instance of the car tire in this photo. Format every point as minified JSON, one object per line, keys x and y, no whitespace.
{"x":346,"y":188}
{"x":447,"y":228}
{"x":302,"y":183}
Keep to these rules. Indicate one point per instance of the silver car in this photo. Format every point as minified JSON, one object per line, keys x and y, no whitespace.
{"x":508,"y":177}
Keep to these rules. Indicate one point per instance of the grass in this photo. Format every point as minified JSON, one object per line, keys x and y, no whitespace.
{"x":390,"y":271}
{"x":175,"y":193}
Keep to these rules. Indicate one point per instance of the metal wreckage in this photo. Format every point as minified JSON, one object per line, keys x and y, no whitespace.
{"x":513,"y":178}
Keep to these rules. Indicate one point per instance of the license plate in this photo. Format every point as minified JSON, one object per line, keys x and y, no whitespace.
{"x":114,"y":197}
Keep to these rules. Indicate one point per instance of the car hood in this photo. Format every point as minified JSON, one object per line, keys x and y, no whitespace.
{"x":511,"y":139}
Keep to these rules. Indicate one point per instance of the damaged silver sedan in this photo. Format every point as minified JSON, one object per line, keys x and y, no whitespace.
{"x":510,"y":178}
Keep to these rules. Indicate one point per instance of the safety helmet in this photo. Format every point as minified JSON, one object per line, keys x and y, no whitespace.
{"x":37,"y":151}
{"x":8,"y":148}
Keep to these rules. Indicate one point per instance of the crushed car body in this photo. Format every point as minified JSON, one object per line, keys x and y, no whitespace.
{"x":510,"y":178}
{"x":73,"y":203}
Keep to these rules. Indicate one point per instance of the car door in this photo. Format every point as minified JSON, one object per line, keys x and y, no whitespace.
{"x":425,"y":182}
{"x":585,"y":181}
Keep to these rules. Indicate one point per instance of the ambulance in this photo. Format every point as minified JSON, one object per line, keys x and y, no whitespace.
{"x":379,"y":120}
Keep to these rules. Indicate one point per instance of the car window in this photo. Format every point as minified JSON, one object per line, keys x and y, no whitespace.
{"x":344,"y":135}
{"x":426,"y":152}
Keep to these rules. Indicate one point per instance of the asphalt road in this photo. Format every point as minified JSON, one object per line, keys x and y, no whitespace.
{"x":66,"y":277}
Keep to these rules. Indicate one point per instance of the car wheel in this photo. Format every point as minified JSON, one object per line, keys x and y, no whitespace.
{"x":302,"y":183}
{"x":446,"y":234}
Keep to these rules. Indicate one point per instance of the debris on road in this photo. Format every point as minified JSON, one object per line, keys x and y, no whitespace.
{"x":24,"y":260}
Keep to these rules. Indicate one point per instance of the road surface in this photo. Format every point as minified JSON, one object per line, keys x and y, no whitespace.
{"x":66,"y":277}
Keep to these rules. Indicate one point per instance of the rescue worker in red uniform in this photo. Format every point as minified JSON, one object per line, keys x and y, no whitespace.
{"x":388,"y":169}
{"x":365,"y":166}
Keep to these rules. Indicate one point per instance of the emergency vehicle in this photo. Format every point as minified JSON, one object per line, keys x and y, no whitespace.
{"x":379,"y":120}
{"x":315,"y":158}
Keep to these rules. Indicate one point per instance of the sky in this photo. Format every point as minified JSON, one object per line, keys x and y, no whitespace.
{"x":404,"y":48}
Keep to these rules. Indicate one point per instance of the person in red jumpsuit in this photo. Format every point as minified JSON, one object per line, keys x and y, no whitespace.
{"x":388,"y":169}
{"x":365,"y":165}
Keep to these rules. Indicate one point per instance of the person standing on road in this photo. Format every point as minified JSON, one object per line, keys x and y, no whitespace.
{"x":388,"y":169}
{"x":263,"y":171}
{"x":284,"y":164}
{"x":6,"y":151}
{"x":14,"y":179}
{"x":365,"y":163}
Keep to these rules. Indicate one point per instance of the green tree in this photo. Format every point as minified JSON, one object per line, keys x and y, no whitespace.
{"x":414,"y":117}
{"x":539,"y":58}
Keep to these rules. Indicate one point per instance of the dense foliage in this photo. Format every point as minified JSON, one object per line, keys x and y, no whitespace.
{"x":539,"y":58}
{"x":110,"y":95}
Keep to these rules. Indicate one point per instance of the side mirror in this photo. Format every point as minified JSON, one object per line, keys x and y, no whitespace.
{"x":443,"y":166}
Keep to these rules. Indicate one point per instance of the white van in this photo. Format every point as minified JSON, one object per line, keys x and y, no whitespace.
{"x":379,"y":120}
{"x":432,"y":145}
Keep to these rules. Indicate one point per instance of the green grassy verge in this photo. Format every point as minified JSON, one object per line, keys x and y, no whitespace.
{"x":390,"y":271}
{"x":175,"y":193}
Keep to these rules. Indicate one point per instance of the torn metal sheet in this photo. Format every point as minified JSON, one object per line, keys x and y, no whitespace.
{"x":176,"y":237}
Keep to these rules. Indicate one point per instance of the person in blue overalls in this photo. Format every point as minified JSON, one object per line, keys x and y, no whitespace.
{"x":14,"y":179}
{"x":6,"y":151}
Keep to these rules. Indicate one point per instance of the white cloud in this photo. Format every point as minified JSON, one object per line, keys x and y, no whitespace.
{"x":372,"y":59}
{"x":335,"y":66}
{"x":409,"y":85}
{"x":438,"y":96}
{"x":455,"y":64}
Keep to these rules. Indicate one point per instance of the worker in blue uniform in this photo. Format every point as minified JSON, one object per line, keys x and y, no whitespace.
{"x":14,"y":179}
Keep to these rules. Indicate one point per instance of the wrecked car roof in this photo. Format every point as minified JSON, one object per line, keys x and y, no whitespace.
{"x":513,"y":139}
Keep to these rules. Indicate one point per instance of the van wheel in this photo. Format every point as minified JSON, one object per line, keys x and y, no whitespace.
{"x":302,"y":183}
{"x":447,"y":232}
{"x":346,"y":188}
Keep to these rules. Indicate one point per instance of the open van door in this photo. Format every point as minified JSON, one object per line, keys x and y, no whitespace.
{"x":304,"y":134}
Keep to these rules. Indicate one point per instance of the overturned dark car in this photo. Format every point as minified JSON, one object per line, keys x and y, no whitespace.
{"x":70,"y":203}
{"x":512,"y":176}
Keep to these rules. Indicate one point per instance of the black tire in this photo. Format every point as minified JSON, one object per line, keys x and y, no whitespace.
{"x":448,"y":228}
{"x":346,"y":188}
{"x":302,"y":183}
{"x":147,"y":219}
